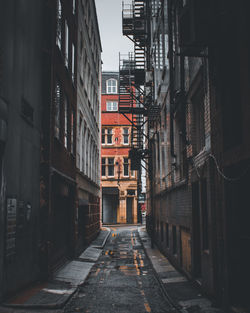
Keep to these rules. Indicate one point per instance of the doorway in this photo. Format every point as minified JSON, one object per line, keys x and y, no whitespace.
{"x":196,"y":234}
{"x":109,"y":209}
{"x":130,"y":210}
{"x":238,"y":237}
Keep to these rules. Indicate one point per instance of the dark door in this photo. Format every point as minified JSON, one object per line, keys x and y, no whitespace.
{"x":129,"y":210}
{"x":109,"y":209}
{"x":196,"y":234}
{"x":60,"y":230}
{"x":238,"y":242}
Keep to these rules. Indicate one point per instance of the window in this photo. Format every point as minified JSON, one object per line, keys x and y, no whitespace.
{"x":161,"y":231}
{"x":81,"y":65}
{"x":199,"y":123}
{"x":103,"y":135}
{"x":125,"y":136}
{"x":80,"y":141}
{"x":111,"y":86}
{"x":125,"y":167}
{"x":73,"y":62}
{"x":57,"y":110}
{"x":109,"y":136}
{"x":66,"y":44}
{"x":87,"y":152}
{"x":131,"y":192}
{"x":72,"y":123}
{"x":107,"y":132}
{"x":205,"y":233}
{"x":66,"y":122}
{"x":59,"y":25}
{"x":110,"y":166}
{"x":167,"y":235}
{"x":103,"y":166}
{"x":112,"y":105}
{"x":174,"y":239}
{"x":74,"y":6}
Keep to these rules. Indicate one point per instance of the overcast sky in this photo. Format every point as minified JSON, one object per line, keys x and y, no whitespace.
{"x":109,"y":14}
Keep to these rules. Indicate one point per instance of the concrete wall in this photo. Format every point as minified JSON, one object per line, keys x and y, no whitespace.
{"x":21,"y":87}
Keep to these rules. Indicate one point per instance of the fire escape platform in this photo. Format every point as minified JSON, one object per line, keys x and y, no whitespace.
{"x":132,"y":110}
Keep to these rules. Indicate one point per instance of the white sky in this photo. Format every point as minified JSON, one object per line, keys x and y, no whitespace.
{"x":109,"y":14}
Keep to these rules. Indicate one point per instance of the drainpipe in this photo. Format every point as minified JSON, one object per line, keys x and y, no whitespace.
{"x":151,"y":180}
{"x":3,"y":140}
{"x":171,"y":75}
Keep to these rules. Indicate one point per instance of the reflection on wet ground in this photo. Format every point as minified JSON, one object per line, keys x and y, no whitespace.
{"x":122,"y":280}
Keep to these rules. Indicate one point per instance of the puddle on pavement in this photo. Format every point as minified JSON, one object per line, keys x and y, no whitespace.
{"x":109,"y":252}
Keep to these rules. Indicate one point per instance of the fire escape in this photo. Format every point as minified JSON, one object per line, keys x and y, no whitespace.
{"x":135,"y":97}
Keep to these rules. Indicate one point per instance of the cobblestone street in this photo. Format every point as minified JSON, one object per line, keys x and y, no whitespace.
{"x":121,"y":281}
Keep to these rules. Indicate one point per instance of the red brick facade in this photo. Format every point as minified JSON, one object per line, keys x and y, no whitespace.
{"x":118,"y":182}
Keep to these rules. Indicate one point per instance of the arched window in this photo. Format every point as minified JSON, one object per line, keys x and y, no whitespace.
{"x":111,"y":85}
{"x":81,"y":139}
{"x":84,"y":149}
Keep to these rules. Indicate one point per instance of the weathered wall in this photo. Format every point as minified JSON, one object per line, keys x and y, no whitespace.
{"x":21,"y":81}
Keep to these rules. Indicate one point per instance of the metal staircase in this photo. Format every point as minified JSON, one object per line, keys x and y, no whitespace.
{"x":131,"y":99}
{"x":135,"y":95}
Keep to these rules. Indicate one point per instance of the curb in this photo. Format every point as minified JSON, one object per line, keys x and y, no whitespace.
{"x":41,"y":306}
{"x":164,"y":292}
{"x":175,"y":305}
{"x":104,"y":241}
{"x":63,"y":303}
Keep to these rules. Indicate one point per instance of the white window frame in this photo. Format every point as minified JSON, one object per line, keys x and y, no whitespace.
{"x":59,"y":25}
{"x":111,"y":86}
{"x":73,"y":63}
{"x":66,"y":124}
{"x":66,"y":43}
{"x":111,"y":106}
{"x":57,"y":103}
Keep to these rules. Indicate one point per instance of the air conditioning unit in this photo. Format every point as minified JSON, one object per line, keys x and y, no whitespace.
{"x":194,"y":26}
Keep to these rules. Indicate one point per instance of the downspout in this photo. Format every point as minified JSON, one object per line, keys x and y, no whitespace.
{"x":171,"y":76}
{"x":150,"y":141}
{"x":3,"y":140}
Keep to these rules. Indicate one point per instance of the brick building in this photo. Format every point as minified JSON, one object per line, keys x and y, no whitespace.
{"x":198,"y":138}
{"x":119,"y":182}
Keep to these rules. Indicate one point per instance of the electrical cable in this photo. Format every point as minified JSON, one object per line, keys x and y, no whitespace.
{"x":223,"y":175}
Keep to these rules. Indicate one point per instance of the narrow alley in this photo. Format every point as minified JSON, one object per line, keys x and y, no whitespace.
{"x":124,"y":156}
{"x":119,"y":272}
{"x":122,"y":280}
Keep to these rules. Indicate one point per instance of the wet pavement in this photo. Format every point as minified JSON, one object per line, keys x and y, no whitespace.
{"x":121,"y":281}
{"x":118,"y":272}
